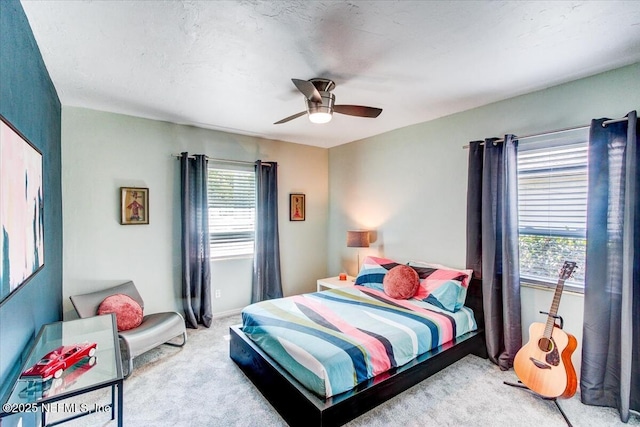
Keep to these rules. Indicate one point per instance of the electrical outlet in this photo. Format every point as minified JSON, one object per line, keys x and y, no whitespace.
{"x":217,"y":293}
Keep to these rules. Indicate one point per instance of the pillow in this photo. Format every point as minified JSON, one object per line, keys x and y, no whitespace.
{"x":467,"y":272}
{"x":401,"y":282}
{"x":128,"y":311}
{"x":443,"y":287}
{"x":373,"y":271}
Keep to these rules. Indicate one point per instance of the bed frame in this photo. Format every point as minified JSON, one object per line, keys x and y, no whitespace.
{"x":299,"y":406}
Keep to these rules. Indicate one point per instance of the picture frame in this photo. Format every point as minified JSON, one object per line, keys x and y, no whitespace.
{"x":134,"y":205}
{"x":21,"y":210}
{"x":297,"y":211}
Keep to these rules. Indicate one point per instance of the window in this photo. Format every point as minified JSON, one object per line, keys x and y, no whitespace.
{"x":552,"y":207}
{"x":232,"y":211}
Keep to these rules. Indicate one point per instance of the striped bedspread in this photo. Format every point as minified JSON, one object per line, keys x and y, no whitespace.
{"x":331,"y":341}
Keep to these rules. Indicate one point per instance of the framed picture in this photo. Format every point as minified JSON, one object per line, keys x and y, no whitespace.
{"x":21,"y":210}
{"x":296,"y":207}
{"x":134,"y":205}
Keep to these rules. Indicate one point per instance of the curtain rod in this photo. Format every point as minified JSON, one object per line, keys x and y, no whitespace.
{"x":179,"y":156}
{"x":553,"y":132}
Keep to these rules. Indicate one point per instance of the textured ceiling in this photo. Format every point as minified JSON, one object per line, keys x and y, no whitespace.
{"x":227,"y":65}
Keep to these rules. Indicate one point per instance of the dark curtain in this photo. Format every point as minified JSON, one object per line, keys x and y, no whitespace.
{"x":196,"y":274}
{"x":267,"y":283}
{"x":610,"y":374}
{"x":492,"y":243}
{"x":474,"y":208}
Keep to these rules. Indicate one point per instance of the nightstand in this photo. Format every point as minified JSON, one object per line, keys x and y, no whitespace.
{"x":334,"y":282}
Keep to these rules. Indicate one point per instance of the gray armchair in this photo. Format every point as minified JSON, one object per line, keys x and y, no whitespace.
{"x":155,"y":329}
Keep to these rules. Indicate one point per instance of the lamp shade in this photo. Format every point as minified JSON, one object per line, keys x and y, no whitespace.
{"x":358,"y":239}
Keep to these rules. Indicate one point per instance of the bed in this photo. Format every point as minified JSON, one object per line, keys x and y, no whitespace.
{"x":297,"y":376}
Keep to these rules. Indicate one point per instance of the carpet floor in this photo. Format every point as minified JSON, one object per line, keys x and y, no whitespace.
{"x":199,"y":385}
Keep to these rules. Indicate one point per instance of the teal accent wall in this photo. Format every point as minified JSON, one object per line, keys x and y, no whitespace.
{"x":29,"y":101}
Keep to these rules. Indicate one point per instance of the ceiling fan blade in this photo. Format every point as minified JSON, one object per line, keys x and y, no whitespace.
{"x":308,"y":89}
{"x":357,"y":110}
{"x":295,"y":116}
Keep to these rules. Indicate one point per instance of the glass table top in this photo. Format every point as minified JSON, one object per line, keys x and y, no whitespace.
{"x":84,"y":370}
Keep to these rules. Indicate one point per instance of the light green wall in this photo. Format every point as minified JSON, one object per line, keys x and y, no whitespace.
{"x":103,"y":151}
{"x":410,"y":185}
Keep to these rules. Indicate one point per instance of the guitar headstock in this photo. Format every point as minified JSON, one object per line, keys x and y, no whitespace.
{"x":567,"y":270}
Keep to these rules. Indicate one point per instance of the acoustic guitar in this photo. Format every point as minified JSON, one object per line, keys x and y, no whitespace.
{"x":543,"y":364}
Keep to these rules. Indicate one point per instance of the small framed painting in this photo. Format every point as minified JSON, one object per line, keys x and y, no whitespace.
{"x":134,"y":205}
{"x":296,"y":207}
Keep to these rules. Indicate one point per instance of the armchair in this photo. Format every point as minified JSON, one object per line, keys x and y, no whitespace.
{"x":155,"y":329}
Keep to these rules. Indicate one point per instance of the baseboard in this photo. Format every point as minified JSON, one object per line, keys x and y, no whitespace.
{"x":227,"y":313}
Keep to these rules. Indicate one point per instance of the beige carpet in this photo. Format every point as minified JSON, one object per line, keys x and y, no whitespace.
{"x":199,"y":385}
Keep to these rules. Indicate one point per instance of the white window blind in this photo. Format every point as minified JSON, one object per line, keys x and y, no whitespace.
{"x":552,"y":209}
{"x":232,"y":211}
{"x":552,"y":191}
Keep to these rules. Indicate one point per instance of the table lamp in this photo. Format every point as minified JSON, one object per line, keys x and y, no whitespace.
{"x":358,"y":239}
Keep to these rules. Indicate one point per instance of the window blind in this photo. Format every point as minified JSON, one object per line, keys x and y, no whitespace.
{"x":552,"y":210}
{"x":552,"y":191}
{"x":232,"y":210}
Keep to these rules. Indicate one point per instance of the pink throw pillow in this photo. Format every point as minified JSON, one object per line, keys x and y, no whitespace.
{"x":401,"y":282}
{"x":128,"y":311}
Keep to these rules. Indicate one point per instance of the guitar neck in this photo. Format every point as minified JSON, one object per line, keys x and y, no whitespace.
{"x":551,"y":318}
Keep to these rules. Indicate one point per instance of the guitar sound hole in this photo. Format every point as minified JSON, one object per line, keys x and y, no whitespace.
{"x":545,"y":344}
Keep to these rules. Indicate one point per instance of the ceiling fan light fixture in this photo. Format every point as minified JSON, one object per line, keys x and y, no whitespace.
{"x":321,"y":103}
{"x":321,"y":112}
{"x":320,"y":117}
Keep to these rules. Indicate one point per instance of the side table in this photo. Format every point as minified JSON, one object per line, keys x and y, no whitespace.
{"x":89,"y":374}
{"x":334,"y":282}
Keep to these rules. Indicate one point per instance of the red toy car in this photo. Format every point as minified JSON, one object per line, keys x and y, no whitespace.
{"x":36,"y":388}
{"x":55,"y":362}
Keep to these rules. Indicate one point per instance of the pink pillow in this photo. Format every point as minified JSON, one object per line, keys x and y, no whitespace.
{"x":128,"y":311}
{"x":401,"y":282}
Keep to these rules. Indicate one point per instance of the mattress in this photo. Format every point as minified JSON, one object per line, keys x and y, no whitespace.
{"x":333,"y":340}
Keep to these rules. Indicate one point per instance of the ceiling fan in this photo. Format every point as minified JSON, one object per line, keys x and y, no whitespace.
{"x":321,"y":102}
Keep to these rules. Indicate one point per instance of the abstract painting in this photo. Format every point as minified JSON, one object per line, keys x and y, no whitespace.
{"x":21,"y":210}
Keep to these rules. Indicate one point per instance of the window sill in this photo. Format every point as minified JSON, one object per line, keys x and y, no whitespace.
{"x":231,"y":257}
{"x":551,"y":288}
